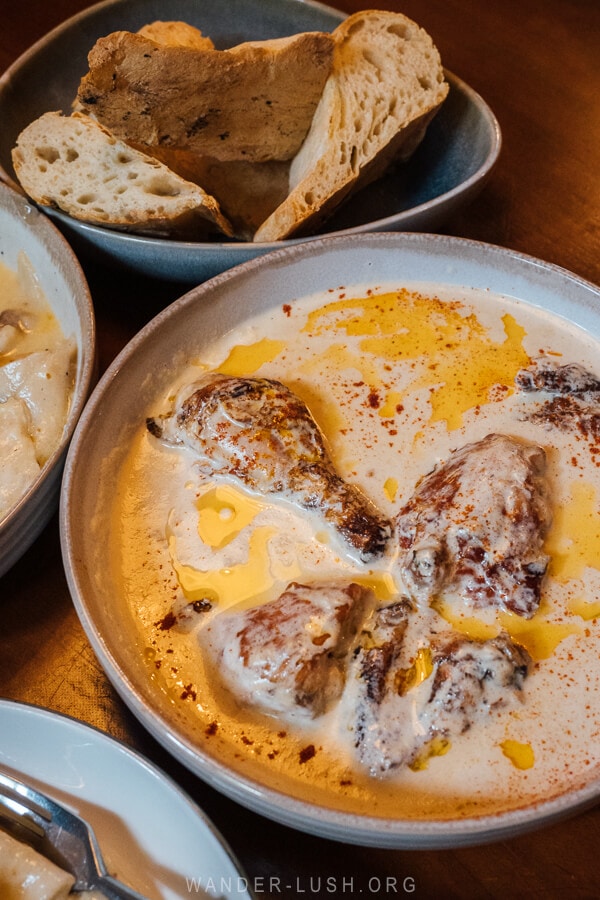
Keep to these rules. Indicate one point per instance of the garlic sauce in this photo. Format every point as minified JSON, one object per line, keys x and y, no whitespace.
{"x":397,"y":378}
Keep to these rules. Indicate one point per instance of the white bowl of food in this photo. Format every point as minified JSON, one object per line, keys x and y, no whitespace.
{"x":47,"y":357}
{"x":429,"y":138}
{"x":349,"y":532}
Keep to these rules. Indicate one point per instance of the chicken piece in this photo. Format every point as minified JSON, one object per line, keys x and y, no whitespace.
{"x":546,"y":375}
{"x":288,"y":657}
{"x":568,"y":413}
{"x":574,"y":401}
{"x":475,"y":527}
{"x":258,"y":432}
{"x":402,"y":704}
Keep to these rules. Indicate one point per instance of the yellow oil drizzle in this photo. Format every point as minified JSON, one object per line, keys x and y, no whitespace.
{"x":381,"y":583}
{"x":520,"y":755}
{"x":244,"y":359}
{"x":223,"y":512}
{"x":339,"y":358}
{"x":420,"y":671}
{"x":539,"y":635}
{"x":473,"y":369}
{"x":471,"y":626}
{"x":390,"y":407}
{"x":439,"y":746}
{"x":324,"y":406}
{"x":574,"y":541}
{"x":453,"y":353}
{"x":390,"y":488}
{"x":585,"y":609}
{"x":255,"y":581}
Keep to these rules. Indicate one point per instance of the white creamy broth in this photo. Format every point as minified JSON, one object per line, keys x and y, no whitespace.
{"x":37,"y":370}
{"x":397,"y":379}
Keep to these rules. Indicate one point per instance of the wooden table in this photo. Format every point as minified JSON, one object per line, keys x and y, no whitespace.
{"x":537,"y":66}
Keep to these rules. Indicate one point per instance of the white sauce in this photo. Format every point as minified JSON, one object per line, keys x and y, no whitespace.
{"x":392,"y":403}
{"x":36,"y":381}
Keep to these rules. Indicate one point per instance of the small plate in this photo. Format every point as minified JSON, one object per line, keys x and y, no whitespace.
{"x":451,"y":165}
{"x":150,"y":832}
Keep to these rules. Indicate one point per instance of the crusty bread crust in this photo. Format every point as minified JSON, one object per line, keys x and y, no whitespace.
{"x":261,"y":142}
{"x":74,"y":164}
{"x":386,"y":85}
{"x":254,"y":102}
{"x":247,"y":192}
{"x":176,"y":34}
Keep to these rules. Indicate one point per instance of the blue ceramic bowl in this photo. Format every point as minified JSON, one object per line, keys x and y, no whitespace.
{"x":450,"y":166}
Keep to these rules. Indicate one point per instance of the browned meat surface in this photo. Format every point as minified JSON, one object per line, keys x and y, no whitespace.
{"x":288,"y":657}
{"x":568,"y":413}
{"x":401,"y":702}
{"x":475,"y":527}
{"x":545,"y":375}
{"x":573,"y":402}
{"x":258,"y":432}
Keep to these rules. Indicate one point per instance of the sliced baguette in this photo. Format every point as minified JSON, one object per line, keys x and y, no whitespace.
{"x":74,"y":164}
{"x":176,"y":34}
{"x":386,"y":85}
{"x":254,"y":102}
{"x":247,"y":192}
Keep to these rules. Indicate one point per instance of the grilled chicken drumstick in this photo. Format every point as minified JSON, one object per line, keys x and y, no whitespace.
{"x":258,"y":432}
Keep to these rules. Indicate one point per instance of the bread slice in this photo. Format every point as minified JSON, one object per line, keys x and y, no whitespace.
{"x":386,"y":85}
{"x":74,"y":164}
{"x":247,"y":192}
{"x":254,"y":102}
{"x":176,"y":34}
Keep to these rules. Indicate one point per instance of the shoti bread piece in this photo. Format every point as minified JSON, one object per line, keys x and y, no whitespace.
{"x":74,"y":164}
{"x":386,"y":85}
{"x":247,"y":192}
{"x":254,"y":102}
{"x":176,"y":34}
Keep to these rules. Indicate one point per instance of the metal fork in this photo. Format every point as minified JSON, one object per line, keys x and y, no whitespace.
{"x":60,"y":835}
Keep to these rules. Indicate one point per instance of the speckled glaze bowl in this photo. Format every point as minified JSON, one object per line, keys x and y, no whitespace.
{"x":453,"y":162}
{"x":24,"y":229}
{"x":145,"y":370}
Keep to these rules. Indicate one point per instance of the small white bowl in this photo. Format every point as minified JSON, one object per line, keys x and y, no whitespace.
{"x":23,"y":229}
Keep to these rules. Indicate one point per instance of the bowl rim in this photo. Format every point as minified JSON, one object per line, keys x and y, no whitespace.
{"x":62,"y":257}
{"x":289,"y":810}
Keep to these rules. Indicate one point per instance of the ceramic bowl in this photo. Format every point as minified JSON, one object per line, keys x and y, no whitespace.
{"x":145,"y":370}
{"x":453,"y":162}
{"x":23,"y":229}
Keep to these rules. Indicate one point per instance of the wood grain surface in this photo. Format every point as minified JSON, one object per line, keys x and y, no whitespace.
{"x":538,"y":66}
